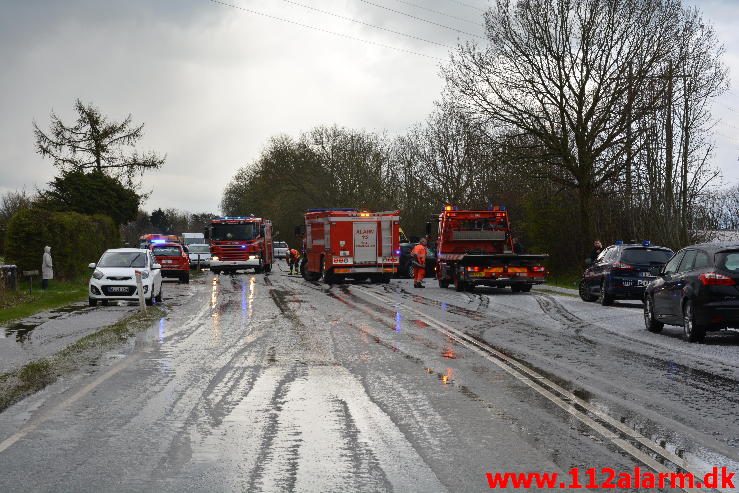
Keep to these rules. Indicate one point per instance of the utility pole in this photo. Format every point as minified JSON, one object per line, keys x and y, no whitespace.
{"x":629,"y":153}
{"x":668,"y":144}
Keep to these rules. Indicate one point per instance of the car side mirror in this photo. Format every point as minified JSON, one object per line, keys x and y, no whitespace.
{"x":92,"y":265}
{"x":156,"y":266}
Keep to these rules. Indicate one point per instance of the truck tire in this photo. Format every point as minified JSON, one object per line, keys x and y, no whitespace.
{"x":458,"y":284}
{"x":516,"y":289}
{"x":527,"y":288}
{"x":329,"y":277}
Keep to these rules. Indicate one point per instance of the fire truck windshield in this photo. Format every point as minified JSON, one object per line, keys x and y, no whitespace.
{"x":226,"y":232}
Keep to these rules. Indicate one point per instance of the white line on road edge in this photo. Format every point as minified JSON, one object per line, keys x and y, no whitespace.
{"x":12,"y":439}
{"x":537,"y":382}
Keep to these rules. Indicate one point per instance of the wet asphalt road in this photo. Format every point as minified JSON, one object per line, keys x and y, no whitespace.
{"x":269,"y":383}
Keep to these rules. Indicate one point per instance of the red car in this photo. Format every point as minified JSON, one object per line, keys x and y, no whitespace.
{"x":174,"y":260}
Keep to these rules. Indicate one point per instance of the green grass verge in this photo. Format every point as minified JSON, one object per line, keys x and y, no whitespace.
{"x":20,"y":304}
{"x":36,"y":375}
{"x":564,"y":280}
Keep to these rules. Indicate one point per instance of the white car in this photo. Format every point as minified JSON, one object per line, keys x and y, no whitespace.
{"x":114,"y":276}
{"x":199,"y":249}
{"x":280,"y":249}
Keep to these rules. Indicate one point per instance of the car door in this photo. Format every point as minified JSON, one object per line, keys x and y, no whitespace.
{"x":594,"y":273}
{"x":660,"y":291}
{"x":677,"y":284}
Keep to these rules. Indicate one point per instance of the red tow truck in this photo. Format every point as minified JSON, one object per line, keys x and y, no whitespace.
{"x":238,"y":243}
{"x":348,"y":243}
{"x":475,"y":247}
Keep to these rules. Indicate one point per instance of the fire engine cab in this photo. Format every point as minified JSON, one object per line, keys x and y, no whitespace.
{"x":238,"y":243}
{"x":348,"y":243}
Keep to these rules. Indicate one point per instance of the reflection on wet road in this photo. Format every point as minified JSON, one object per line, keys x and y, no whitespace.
{"x":270,"y":383}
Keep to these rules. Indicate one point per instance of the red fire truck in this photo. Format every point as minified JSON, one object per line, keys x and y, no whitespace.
{"x":348,"y":243}
{"x":238,"y":243}
{"x":475,"y":248}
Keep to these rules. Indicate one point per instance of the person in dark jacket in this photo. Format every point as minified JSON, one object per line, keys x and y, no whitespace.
{"x":597,"y":248}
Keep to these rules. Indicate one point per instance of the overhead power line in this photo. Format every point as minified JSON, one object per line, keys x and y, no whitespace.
{"x":383,"y":7}
{"x":421,"y":7}
{"x":357,"y":21}
{"x":468,"y":5}
{"x":320,"y":29}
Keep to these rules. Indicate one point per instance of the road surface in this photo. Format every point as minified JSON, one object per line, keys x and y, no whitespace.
{"x":271,"y":383}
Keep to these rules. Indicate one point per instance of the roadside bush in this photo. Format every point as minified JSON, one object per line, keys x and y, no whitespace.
{"x":75,"y":240}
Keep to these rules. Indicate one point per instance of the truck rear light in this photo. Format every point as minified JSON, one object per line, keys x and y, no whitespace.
{"x":473,"y":269}
{"x":538,"y":268}
{"x":716,"y":279}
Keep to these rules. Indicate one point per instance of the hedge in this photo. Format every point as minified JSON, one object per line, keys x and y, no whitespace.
{"x":75,"y":240}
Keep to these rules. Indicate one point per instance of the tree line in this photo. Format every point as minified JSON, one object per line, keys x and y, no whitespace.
{"x":586,"y":118}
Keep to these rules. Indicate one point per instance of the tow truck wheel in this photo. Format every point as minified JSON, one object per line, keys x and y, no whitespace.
{"x":458,"y":284}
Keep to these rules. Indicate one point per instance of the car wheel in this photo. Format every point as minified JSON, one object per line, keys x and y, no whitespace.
{"x":651,"y":324}
{"x":92,"y":302}
{"x":693,"y":332}
{"x":186,"y":278}
{"x":584,"y":293}
{"x":159,"y":296}
{"x":604,"y":299}
{"x":149,"y":301}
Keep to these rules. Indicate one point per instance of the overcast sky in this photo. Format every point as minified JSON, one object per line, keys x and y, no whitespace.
{"x":212,"y":83}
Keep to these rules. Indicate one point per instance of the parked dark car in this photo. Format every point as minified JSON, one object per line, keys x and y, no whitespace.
{"x":698,"y":289}
{"x":622,"y":271}
{"x":405,"y":266}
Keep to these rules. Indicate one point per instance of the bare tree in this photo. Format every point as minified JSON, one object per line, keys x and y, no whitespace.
{"x":95,"y":143}
{"x":572,"y":76}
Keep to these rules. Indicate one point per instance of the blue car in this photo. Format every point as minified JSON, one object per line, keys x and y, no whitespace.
{"x":622,"y":272}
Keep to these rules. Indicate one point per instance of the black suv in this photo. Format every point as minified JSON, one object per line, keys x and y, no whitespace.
{"x":698,"y":289}
{"x":621,"y":272}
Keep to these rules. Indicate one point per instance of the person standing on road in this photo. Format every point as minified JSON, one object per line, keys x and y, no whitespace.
{"x":418,"y":254}
{"x":47,"y":268}
{"x":293,"y":257}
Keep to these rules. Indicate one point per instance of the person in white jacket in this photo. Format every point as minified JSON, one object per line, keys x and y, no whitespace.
{"x":47,"y":268}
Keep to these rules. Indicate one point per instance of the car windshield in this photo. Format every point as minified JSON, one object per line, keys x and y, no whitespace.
{"x":245,"y":231}
{"x":729,"y":261}
{"x":199,"y":249}
{"x":123,"y":259}
{"x":645,"y":256}
{"x":166,"y":251}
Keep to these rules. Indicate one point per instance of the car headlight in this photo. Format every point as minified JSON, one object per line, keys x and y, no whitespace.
{"x":214,"y":257}
{"x":98,"y":275}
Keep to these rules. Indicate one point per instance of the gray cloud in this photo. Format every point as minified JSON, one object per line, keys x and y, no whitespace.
{"x":213,"y":83}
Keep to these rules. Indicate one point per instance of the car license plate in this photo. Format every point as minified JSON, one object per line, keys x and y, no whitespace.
{"x":118,"y":289}
{"x":166,"y":261}
{"x":644,"y":282}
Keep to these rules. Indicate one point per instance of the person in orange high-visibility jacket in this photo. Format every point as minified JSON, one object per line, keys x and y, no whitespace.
{"x":419,"y":263}
{"x":293,"y":257}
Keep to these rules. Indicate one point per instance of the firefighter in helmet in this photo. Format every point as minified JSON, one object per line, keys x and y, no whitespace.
{"x":418,"y":254}
{"x":293,"y":261}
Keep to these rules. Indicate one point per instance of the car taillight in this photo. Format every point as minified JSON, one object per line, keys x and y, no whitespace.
{"x":623,"y":266}
{"x":538,"y":268}
{"x":716,"y":279}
